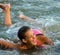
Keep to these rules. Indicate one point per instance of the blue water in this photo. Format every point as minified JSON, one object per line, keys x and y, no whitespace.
{"x":46,"y":14}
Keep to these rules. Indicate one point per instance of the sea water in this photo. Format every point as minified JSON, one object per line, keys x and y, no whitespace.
{"x":46,"y":15}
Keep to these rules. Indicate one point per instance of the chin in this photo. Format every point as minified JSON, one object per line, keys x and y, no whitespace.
{"x":34,"y":43}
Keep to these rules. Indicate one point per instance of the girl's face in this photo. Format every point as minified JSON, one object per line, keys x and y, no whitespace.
{"x":30,"y":37}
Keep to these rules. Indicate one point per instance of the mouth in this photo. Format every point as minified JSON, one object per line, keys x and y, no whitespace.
{"x":35,"y":42}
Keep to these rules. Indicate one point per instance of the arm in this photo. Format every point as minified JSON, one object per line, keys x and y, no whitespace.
{"x":22,"y":16}
{"x":7,"y":43}
{"x":6,"y":9}
{"x":48,"y":40}
{"x":45,"y":39}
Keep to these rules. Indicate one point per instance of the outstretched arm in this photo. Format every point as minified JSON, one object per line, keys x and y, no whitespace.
{"x":22,"y":16}
{"x":6,"y":43}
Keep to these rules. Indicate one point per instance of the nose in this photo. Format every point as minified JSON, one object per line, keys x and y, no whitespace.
{"x":34,"y":37}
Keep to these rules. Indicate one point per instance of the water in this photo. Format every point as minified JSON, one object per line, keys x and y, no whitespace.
{"x":46,"y":14}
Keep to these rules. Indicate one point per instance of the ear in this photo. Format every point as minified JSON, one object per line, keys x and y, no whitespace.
{"x":24,"y":40}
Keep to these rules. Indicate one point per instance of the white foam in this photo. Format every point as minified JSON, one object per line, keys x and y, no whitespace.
{"x":57,"y":42}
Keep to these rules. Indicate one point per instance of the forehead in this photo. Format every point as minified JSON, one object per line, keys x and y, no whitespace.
{"x":29,"y":32}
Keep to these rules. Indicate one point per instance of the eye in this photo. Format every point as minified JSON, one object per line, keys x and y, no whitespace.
{"x":33,"y":34}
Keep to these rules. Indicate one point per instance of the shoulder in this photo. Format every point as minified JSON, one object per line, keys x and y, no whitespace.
{"x":20,"y":47}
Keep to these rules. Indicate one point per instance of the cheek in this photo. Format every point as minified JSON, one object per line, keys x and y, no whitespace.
{"x":29,"y":39}
{"x":32,"y":39}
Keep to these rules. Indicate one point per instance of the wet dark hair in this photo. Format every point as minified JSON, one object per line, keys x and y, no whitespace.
{"x":22,"y":31}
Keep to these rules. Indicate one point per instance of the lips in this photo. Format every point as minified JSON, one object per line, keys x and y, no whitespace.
{"x":34,"y":42}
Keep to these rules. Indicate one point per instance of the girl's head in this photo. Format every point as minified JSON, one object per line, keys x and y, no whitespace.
{"x":21,"y":32}
{"x":26,"y":35}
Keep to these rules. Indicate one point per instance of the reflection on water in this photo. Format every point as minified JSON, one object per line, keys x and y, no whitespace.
{"x":46,"y":15}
